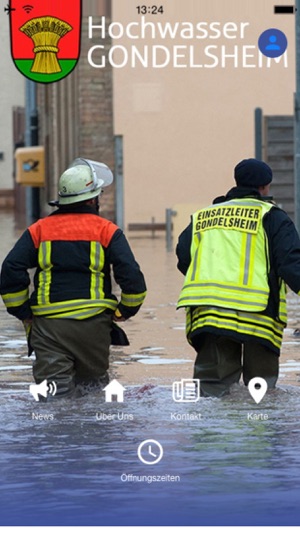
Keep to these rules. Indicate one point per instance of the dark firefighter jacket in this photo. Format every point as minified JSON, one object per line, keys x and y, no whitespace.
{"x":72,"y":251}
{"x":264,"y":327}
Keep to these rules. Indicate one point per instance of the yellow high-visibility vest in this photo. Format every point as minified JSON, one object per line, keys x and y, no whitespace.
{"x":230,"y":259}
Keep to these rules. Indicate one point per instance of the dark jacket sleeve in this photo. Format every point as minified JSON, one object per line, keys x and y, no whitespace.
{"x":15,"y":279}
{"x":285,"y":247}
{"x":127,"y":274}
{"x":183,"y":249}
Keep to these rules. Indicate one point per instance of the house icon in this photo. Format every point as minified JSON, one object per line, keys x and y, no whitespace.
{"x":114,"y":391}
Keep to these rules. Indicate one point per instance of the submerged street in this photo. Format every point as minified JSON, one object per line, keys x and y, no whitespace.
{"x":225,"y":461}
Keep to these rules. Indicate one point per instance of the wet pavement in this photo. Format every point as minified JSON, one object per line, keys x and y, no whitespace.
{"x":225,"y":462}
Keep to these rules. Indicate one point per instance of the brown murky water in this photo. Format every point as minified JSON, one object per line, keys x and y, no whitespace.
{"x":69,"y":463}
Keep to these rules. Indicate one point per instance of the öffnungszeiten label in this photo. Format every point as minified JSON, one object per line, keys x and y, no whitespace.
{"x":165,"y":478}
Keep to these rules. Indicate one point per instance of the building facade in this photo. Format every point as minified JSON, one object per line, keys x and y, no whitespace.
{"x":76,"y":115}
{"x":12,"y":101}
{"x":186,"y":124}
{"x":179,"y":83}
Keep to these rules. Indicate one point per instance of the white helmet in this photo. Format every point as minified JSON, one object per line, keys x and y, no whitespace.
{"x":83,"y":180}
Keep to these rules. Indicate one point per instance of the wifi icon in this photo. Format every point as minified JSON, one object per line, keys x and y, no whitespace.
{"x":27,"y":8}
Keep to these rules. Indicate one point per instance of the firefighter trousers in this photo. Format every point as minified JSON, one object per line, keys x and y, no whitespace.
{"x":71,"y":352}
{"x":221,"y":361}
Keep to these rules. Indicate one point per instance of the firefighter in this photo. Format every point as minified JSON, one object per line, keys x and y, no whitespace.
{"x":72,"y":310}
{"x":237,"y":256}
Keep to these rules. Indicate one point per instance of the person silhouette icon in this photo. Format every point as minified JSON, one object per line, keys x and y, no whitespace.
{"x":272,"y":45}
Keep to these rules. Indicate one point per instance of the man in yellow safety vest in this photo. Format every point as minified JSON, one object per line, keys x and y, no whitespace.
{"x":237,"y":255}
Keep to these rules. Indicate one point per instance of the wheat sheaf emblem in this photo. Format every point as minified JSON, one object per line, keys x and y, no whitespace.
{"x":46,"y":33}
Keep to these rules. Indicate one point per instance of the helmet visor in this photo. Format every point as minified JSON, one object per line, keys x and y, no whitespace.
{"x":102,"y":175}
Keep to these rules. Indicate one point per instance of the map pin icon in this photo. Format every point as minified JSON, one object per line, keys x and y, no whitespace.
{"x":257,"y":388}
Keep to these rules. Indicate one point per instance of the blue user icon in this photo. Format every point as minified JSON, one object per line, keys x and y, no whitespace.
{"x":272,"y":43}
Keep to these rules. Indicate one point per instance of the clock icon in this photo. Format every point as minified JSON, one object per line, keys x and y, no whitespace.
{"x":150,"y":452}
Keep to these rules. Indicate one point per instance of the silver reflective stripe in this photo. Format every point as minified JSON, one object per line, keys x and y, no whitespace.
{"x":224,"y":287}
{"x":237,"y":325}
{"x":195,"y":260}
{"x":70,"y":306}
{"x":243,"y":203}
{"x":79,"y":315}
{"x":14,"y":299}
{"x":247,"y":258}
{"x":236,"y":315}
{"x":257,"y":331}
{"x":96,"y":266}
{"x":45,"y":273}
{"x":132,"y":300}
{"x":212,"y":297}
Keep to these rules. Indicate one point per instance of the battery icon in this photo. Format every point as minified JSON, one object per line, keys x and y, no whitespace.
{"x":279,"y":10}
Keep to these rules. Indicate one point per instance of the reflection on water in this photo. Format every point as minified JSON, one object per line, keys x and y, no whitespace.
{"x":61,"y":463}
{"x":66,"y":467}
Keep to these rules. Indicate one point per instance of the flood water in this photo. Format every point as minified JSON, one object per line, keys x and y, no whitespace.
{"x":225,"y":461}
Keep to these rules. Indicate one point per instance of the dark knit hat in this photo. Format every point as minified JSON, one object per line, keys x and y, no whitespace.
{"x":252,"y":173}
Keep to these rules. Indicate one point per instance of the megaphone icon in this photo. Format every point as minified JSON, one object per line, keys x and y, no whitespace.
{"x":42,"y":389}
